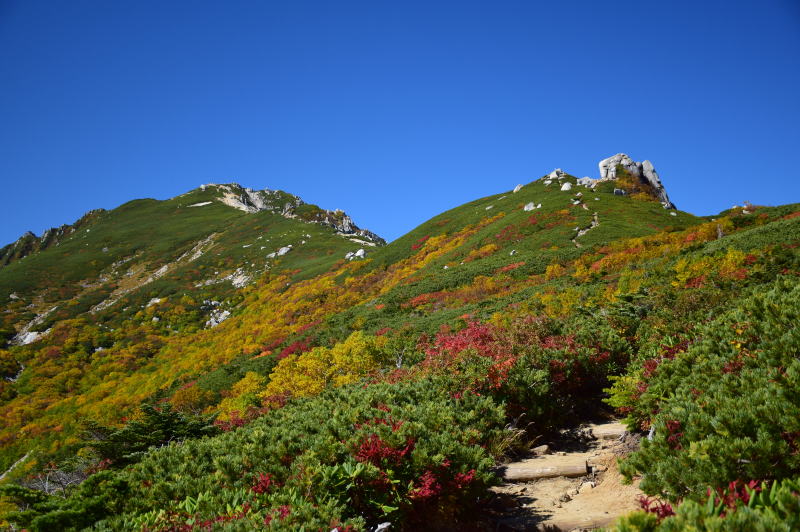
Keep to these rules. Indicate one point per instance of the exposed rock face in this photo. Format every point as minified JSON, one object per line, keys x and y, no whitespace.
{"x":644,"y":172}
{"x":216,"y":317}
{"x":287,"y":205}
{"x":608,"y":167}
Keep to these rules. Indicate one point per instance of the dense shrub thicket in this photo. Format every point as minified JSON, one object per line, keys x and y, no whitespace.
{"x":727,"y":407}
{"x":352,"y":455}
{"x":725,"y":414}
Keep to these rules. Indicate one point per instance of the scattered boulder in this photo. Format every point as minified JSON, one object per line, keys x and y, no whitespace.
{"x":281,"y":252}
{"x":517,"y":188}
{"x":360,"y":254}
{"x":558,"y":173}
{"x":529,"y":207}
{"x":566,"y":186}
{"x":540,"y":450}
{"x":619,"y":192}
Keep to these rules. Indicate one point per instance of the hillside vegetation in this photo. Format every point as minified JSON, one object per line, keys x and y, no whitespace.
{"x":341,"y":393}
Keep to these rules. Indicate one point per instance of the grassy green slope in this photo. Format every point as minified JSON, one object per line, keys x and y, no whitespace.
{"x":124,"y":247}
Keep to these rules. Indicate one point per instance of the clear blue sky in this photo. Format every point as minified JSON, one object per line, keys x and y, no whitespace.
{"x":392,"y":111}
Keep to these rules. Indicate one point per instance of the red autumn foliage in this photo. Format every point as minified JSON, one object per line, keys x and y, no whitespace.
{"x":675,"y":434}
{"x":376,"y":451}
{"x":419,"y":242}
{"x":299,"y":346}
{"x":263,"y":483}
{"x":426,"y":487}
{"x":654,"y":506}
{"x":282,"y":512}
{"x":737,"y":492}
{"x":510,"y":267}
{"x":234,"y":421}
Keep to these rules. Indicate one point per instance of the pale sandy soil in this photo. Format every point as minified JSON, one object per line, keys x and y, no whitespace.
{"x":586,"y":502}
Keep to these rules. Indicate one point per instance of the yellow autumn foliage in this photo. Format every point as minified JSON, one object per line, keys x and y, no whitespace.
{"x":243,"y":395}
{"x":309,"y":373}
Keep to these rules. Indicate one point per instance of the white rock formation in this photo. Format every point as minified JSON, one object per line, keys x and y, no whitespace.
{"x":284,"y":204}
{"x":360,"y":254}
{"x":216,"y":317}
{"x":566,"y":186}
{"x":238,"y":278}
{"x":280,"y":253}
{"x":529,"y":207}
{"x":517,"y":188}
{"x":29,"y":337}
{"x":644,"y":172}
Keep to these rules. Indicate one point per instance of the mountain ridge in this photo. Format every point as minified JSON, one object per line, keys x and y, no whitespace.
{"x":232,"y":194}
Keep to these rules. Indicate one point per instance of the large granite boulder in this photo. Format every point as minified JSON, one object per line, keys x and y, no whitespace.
{"x":644,"y":172}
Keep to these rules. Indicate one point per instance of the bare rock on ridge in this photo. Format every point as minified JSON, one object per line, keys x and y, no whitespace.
{"x":644,"y":172}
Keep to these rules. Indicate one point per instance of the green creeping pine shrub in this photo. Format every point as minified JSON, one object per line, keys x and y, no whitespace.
{"x":407,"y":453}
{"x":100,"y":495}
{"x":729,"y":406}
{"x":156,"y":426}
{"x":775,"y":508}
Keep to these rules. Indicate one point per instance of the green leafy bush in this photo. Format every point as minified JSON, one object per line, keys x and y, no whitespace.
{"x":771,"y":507}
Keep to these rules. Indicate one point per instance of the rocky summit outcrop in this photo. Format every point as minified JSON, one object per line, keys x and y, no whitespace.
{"x":288,"y":206}
{"x":644,"y":172}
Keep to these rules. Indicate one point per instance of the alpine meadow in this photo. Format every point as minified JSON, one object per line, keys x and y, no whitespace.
{"x":569,"y":353}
